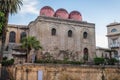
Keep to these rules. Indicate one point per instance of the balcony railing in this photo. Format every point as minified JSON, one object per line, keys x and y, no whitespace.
{"x":115,"y":45}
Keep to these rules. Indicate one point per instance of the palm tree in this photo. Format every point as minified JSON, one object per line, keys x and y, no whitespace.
{"x":29,"y":43}
{"x":12,"y":7}
{"x":2,"y":20}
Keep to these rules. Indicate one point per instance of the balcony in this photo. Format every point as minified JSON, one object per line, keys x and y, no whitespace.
{"x":114,"y":45}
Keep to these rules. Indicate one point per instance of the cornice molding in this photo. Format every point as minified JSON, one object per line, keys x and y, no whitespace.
{"x":65,"y":21}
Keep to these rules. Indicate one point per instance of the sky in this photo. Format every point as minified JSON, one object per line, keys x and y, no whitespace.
{"x":100,"y":12}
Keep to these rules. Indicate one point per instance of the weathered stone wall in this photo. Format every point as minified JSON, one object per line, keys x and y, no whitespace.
{"x":61,"y":44}
{"x":65,"y":72}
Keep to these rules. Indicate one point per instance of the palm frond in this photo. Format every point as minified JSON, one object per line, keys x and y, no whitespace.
{"x":10,"y":6}
{"x":31,"y":42}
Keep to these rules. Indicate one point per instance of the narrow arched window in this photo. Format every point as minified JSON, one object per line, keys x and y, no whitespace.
{"x":85,"y":34}
{"x":53,"y":32}
{"x":12,"y":37}
{"x":22,"y":35}
{"x":85,"y":54}
{"x":69,"y":33}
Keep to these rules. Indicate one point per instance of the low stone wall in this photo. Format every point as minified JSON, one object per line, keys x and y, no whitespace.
{"x":64,"y":72}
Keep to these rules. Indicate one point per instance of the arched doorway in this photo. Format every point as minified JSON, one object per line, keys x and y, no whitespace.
{"x":85,"y":56}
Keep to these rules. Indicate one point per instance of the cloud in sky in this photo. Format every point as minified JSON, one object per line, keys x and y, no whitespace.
{"x":29,"y":6}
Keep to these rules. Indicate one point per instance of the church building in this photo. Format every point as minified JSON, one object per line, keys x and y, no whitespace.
{"x":62,"y":35}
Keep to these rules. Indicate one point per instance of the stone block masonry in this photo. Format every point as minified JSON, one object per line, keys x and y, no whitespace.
{"x":64,"y":72}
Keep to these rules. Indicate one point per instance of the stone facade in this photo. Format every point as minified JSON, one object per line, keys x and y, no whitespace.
{"x":113,"y":34}
{"x":64,"y":72}
{"x":61,"y":43}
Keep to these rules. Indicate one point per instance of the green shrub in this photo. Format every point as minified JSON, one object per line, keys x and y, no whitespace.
{"x":59,"y":62}
{"x":4,"y":58}
{"x":99,"y":60}
{"x":7,"y":62}
{"x":112,"y":61}
{"x":74,"y":62}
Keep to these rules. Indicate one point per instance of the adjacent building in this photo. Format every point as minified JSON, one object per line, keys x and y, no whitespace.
{"x":113,"y":34}
{"x":103,"y":52}
{"x":14,"y":35}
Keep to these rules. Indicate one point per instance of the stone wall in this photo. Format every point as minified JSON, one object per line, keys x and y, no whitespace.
{"x":61,"y":44}
{"x":65,"y":72}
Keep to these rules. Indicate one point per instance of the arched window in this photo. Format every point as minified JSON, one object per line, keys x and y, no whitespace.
{"x":85,"y":34}
{"x":53,"y":32}
{"x":115,"y":41}
{"x":116,"y":54}
{"x":85,"y":57}
{"x":22,"y":35}
{"x":69,"y":33}
{"x":114,"y":30}
{"x":12,"y":37}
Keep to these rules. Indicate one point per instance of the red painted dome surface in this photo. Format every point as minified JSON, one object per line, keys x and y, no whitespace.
{"x":47,"y":11}
{"x":75,"y":15}
{"x":61,"y":13}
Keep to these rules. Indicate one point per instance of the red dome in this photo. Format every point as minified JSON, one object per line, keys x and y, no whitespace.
{"x":62,"y":13}
{"x":75,"y":15}
{"x":47,"y":11}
